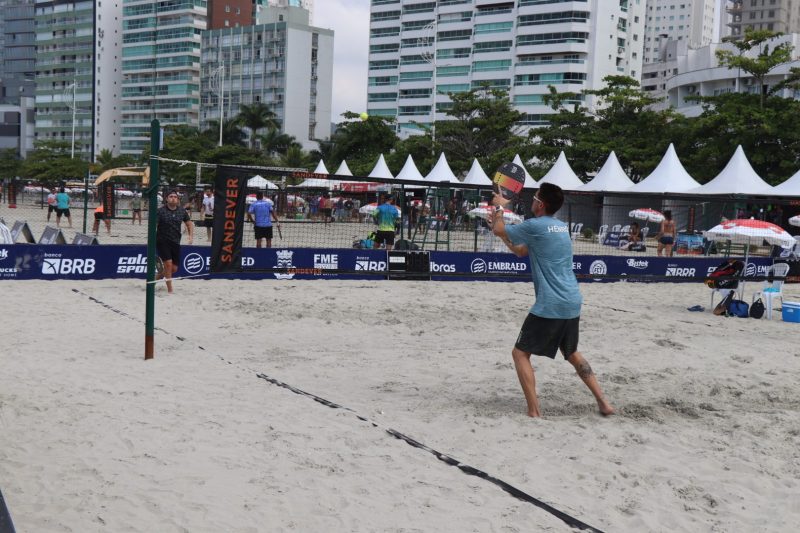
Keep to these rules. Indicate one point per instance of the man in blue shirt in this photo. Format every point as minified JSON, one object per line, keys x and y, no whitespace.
{"x":385,"y":216}
{"x":553,"y":321}
{"x":264,"y":216}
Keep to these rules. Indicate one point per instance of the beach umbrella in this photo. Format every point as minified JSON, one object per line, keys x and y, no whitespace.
{"x":509,"y":217}
{"x":369,"y":209}
{"x":795,"y":220}
{"x":749,"y":231}
{"x":251,"y":198}
{"x":646,"y":214}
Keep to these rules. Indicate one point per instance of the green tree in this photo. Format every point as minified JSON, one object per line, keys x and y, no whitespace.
{"x":276,"y":143}
{"x":361,"y":142}
{"x":766,"y":59}
{"x":183,"y":143}
{"x":255,"y":117}
{"x":416,"y":146}
{"x":50,"y":163}
{"x":232,"y":132}
{"x":10,"y":163}
{"x":484,"y":125}
{"x":106,"y":160}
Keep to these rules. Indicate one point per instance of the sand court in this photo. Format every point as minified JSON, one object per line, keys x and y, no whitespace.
{"x":93,"y":438}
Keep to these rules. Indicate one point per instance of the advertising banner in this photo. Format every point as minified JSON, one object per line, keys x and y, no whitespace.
{"x":54,"y":261}
{"x":230,"y":202}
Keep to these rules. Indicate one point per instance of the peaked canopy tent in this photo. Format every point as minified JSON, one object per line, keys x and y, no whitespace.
{"x":441,"y":172}
{"x":352,"y":186}
{"x":476,"y":175}
{"x":410,"y":172}
{"x":738,"y":177}
{"x":668,"y":177}
{"x":530,"y":183}
{"x":259,"y":182}
{"x":381,"y":170}
{"x":561,"y":174}
{"x":316,"y":183}
{"x":790,"y":187}
{"x":615,"y":208}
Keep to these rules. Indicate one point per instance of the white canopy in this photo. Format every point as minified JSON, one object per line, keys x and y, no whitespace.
{"x":611,"y":178}
{"x":530,"y":183}
{"x":258,"y":182}
{"x":668,"y":176}
{"x":381,"y":170}
{"x":321,"y":169}
{"x":738,"y":177}
{"x":410,"y":171}
{"x":441,"y":172}
{"x":476,"y":175}
{"x":561,"y":174}
{"x":790,"y":187}
{"x":343,"y":170}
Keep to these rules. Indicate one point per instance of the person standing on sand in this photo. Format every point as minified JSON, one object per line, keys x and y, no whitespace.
{"x":168,"y":234}
{"x":51,"y":204}
{"x":62,"y":207}
{"x":554,"y":319}
{"x":666,"y":234}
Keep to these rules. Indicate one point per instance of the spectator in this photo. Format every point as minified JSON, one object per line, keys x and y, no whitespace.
{"x":386,"y":216}
{"x":666,"y":234}
{"x":51,"y":204}
{"x":207,"y":210}
{"x":99,"y":214}
{"x":633,"y":240}
{"x":136,"y":208}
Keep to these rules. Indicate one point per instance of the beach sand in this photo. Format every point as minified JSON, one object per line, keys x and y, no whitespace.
{"x":94,"y":438}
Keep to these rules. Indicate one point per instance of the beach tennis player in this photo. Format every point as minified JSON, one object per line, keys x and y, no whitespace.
{"x":553,"y":321}
{"x":168,"y":235}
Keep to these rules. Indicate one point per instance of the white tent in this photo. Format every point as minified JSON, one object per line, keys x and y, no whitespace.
{"x":790,"y":187}
{"x":738,"y":177}
{"x":381,"y":170}
{"x":476,"y":175}
{"x":343,"y":170}
{"x":561,"y":174}
{"x":668,"y":176}
{"x":611,"y":178}
{"x":321,"y":168}
{"x":441,"y":172}
{"x":410,"y":172}
{"x":258,"y":182}
{"x":530,"y":183}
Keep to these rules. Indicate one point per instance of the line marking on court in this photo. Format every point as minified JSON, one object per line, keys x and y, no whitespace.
{"x":447,"y":459}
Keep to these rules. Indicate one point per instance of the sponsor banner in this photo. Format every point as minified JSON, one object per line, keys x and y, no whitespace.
{"x":30,"y":261}
{"x":108,"y":199}
{"x":229,"y":202}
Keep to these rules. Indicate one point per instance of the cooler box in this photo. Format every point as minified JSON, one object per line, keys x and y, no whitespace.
{"x":791,"y":312}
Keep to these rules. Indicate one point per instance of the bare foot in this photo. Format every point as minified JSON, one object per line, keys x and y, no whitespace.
{"x":534,"y":413}
{"x":605,"y":408}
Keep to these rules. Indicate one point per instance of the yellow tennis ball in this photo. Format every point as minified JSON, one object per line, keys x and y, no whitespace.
{"x":364,"y":115}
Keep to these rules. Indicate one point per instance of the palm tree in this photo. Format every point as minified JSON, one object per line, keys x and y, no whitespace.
{"x":232,"y":133}
{"x":275,"y":142}
{"x":255,"y":117}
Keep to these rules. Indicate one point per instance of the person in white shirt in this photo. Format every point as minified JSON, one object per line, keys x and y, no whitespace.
{"x":207,"y":210}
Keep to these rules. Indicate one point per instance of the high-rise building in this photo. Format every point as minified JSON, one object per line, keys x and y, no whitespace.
{"x":677,"y":20}
{"x":64,"y":73}
{"x":421,"y":51}
{"x":17,"y":50}
{"x":281,"y":62}
{"x":781,"y":16}
{"x":308,"y":5}
{"x":229,"y":13}
{"x":161,"y":67}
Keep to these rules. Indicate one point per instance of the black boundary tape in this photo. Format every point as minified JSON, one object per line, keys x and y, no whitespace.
{"x":6,"y":525}
{"x":467,"y":469}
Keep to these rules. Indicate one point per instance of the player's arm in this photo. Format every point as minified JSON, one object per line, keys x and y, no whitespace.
{"x":498,"y":226}
{"x":275,"y":218}
{"x":250,"y":214}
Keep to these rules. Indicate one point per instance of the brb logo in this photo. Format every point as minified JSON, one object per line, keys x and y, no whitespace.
{"x":54,"y":265}
{"x":680,"y":272}
{"x":640,"y":264}
{"x":137,"y":264}
{"x":364,"y":263}
{"x":598,"y":268}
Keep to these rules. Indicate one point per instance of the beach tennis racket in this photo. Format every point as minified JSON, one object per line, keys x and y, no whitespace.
{"x":508,"y":182}
{"x":159,"y":267}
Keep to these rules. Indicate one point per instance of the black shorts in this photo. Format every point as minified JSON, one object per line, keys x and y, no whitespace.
{"x":169,"y":251}
{"x":51,"y":208}
{"x":208,"y":221}
{"x":545,"y":336}
{"x":263,"y":232}
{"x":666,"y":239}
{"x":384,"y":237}
{"x":326,"y":211}
{"x":99,"y":216}
{"x":64,"y":212}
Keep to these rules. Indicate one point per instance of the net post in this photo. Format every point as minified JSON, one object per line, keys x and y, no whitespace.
{"x":150,"y":299}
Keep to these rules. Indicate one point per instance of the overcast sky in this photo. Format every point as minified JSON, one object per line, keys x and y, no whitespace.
{"x":349,"y":19}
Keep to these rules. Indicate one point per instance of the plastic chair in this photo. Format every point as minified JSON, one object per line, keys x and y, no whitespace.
{"x":625,"y":230}
{"x":772,"y":289}
{"x":601,"y":233}
{"x":576,"y":230}
{"x":616,"y":228}
{"x":645,"y":232}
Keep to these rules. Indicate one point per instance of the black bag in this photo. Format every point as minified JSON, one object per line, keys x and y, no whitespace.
{"x":757,"y":309}
{"x":722,"y":307}
{"x":731,"y":268}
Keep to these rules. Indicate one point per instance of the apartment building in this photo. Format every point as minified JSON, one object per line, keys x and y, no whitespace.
{"x":282,"y":62}
{"x":678,"y":20}
{"x":422,"y":50}
{"x":17,"y":50}
{"x":781,"y":16}
{"x":160,"y":67}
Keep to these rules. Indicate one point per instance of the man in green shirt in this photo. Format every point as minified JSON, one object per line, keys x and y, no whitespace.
{"x":385,"y":216}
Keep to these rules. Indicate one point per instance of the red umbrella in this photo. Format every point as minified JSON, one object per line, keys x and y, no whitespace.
{"x":647,"y":214}
{"x":748,"y":230}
